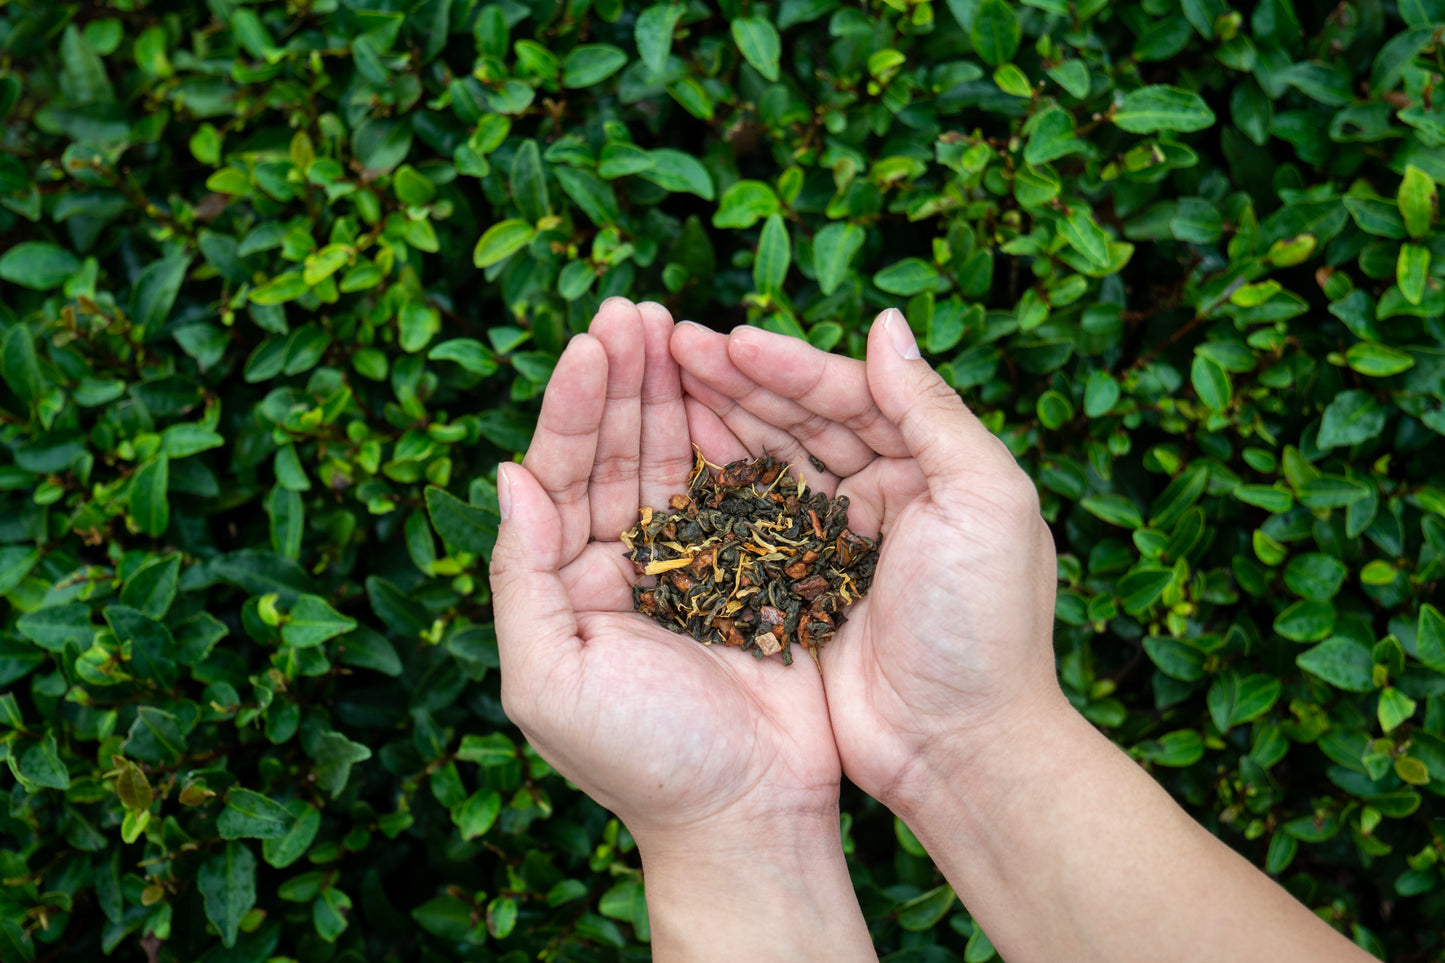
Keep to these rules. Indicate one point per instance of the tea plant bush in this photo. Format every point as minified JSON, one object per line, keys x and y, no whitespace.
{"x":280,"y":283}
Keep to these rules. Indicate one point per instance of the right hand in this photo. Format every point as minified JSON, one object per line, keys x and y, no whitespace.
{"x":952,"y":648}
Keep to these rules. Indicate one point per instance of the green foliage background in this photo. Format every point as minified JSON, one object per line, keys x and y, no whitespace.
{"x":277,"y":278}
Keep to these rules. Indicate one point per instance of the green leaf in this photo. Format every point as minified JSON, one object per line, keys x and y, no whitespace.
{"x":653,"y":34}
{"x":591,"y":63}
{"x":1315,"y":576}
{"x":1234,"y":700}
{"x":1416,"y":199}
{"x":152,"y":588}
{"x":38,"y":265}
{"x":16,"y":561}
{"x":1353,"y":417}
{"x":465,"y":528}
{"x":1394,"y":708}
{"x":155,"y":291}
{"x":620,"y":160}
{"x":744,"y":204}
{"x":281,"y":289}
{"x":1342,"y":662}
{"x":1307,"y":620}
{"x":907,"y":277}
{"x":760,"y":45}
{"x":152,"y":648}
{"x":1114,"y":509}
{"x":502,"y":916}
{"x":334,"y":755}
{"x":478,"y":813}
{"x":501,"y":241}
{"x":834,"y":248}
{"x":995,"y":33}
{"x":1378,"y":360}
{"x":1211,"y":383}
{"x":923,"y":911}
{"x":528,"y":183}
{"x":283,"y":850}
{"x":1086,"y":237}
{"x":328,"y":913}
{"x":40,"y":764}
{"x":591,"y":194}
{"x":20,"y":366}
{"x":1412,"y":269}
{"x":149,"y":501}
{"x":489,"y":750}
{"x":185,"y":440}
{"x":1430,"y":637}
{"x":770,"y":266}
{"x":55,"y":626}
{"x":674,"y":171}
{"x":625,"y":901}
{"x":251,"y":815}
{"x":1161,"y":107}
{"x":1182,"y":747}
{"x":227,"y":882}
{"x":1141,"y":587}
{"x":311,"y":622}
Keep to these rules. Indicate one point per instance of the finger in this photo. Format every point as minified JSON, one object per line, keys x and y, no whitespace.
{"x":665,"y":445}
{"x":564,"y":445}
{"x":713,"y":438}
{"x":707,"y":356}
{"x":949,"y":443}
{"x":535,"y":624}
{"x":817,"y":385}
{"x":613,"y":487}
{"x":755,"y":434}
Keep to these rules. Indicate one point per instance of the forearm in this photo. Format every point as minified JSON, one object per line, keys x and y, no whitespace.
{"x":1064,"y":849}
{"x":774,"y":892}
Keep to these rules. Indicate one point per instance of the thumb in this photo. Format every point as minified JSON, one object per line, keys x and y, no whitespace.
{"x":533,"y":615}
{"x":947,"y":441}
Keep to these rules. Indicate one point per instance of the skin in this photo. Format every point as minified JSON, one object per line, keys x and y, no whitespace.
{"x":724,"y":769}
{"x":939,"y":696}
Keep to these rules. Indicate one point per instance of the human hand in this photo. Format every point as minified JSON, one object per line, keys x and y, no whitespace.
{"x":723,"y":768}
{"x":952,"y":646}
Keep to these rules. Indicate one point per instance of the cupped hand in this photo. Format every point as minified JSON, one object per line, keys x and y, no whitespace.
{"x":670,"y":735}
{"x":952,"y":646}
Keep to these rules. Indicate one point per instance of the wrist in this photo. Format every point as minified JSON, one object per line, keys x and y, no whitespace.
{"x":768,"y":887}
{"x":985,"y":766}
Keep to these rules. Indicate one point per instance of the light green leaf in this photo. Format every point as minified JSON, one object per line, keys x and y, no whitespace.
{"x":1416,"y":199}
{"x":1161,"y":107}
{"x":501,"y":241}
{"x":760,"y":45}
{"x":653,"y":34}
{"x":591,"y":63}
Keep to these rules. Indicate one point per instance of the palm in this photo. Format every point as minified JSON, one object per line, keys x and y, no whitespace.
{"x":703,"y":728}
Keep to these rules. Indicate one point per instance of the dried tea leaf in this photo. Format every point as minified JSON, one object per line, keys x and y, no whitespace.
{"x":749,"y":557}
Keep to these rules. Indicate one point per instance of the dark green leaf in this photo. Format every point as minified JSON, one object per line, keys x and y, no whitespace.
{"x":227,"y":882}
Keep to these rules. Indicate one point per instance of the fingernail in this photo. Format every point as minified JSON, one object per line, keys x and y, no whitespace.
{"x":695,"y":325}
{"x":504,"y":490}
{"x":900,"y":334}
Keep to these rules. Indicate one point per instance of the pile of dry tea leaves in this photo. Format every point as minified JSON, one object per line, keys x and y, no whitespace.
{"x":750,"y":557}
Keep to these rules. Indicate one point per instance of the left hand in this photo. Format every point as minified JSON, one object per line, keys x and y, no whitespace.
{"x":674,"y":737}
